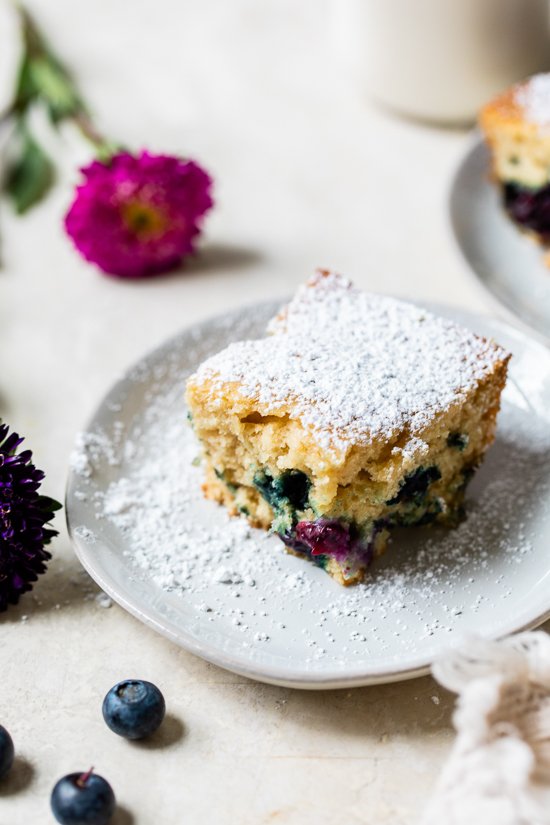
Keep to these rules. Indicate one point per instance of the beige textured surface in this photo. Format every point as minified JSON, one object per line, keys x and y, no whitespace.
{"x":308,"y":174}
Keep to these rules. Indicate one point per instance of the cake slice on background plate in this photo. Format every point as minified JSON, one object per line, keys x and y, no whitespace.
{"x":516,"y":126}
{"x":357,"y":413}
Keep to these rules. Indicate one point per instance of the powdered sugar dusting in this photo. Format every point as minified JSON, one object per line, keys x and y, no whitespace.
{"x":235,"y":589}
{"x":354,"y":366}
{"x":534,"y":99}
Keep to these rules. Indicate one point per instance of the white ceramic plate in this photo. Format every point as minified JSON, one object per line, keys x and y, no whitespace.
{"x":233,"y":596}
{"x":505,"y":261}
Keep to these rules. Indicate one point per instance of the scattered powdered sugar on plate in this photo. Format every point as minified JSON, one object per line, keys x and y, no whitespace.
{"x":136,"y":504}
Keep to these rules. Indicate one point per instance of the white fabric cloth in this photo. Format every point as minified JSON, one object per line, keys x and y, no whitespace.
{"x":498,"y":772}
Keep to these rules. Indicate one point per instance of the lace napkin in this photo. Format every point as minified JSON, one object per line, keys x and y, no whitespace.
{"x":498,"y":772}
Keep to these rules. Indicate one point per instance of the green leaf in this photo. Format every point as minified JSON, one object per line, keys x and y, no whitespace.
{"x":43,"y":77}
{"x":30,"y":175}
{"x":55,"y":88}
{"x":50,"y":504}
{"x":26,"y":91}
{"x":48,"y":535}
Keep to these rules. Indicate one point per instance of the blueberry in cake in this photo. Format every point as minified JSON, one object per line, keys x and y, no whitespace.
{"x":516,"y":126}
{"x":357,"y":413}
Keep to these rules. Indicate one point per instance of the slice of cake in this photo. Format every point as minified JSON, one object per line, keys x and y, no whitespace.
{"x":516,"y":126}
{"x":356,"y":414}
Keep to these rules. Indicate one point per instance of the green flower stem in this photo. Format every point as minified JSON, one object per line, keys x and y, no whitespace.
{"x":104,"y":148}
{"x":43,"y":81}
{"x":44,"y":78}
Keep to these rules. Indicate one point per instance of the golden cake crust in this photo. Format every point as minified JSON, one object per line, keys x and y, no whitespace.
{"x":504,"y":111}
{"x":514,"y":128}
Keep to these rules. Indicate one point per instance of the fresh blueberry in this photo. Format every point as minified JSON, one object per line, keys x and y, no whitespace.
{"x":134,"y":708}
{"x":83,"y":799}
{"x":6,"y":752}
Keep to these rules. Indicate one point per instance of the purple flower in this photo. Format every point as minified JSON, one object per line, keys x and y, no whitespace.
{"x":23,"y":514}
{"x":138,"y":215}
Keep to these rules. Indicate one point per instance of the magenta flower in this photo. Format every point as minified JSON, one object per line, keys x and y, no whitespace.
{"x":138,"y":215}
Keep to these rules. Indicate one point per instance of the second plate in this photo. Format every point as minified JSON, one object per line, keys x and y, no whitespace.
{"x":505,"y":261}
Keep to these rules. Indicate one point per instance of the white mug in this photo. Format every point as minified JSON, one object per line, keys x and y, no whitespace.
{"x":441,"y":60}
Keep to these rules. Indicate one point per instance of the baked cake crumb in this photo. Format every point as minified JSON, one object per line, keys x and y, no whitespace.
{"x":516,"y":127}
{"x":356,"y":414}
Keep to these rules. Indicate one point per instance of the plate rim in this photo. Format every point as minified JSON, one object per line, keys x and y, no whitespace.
{"x":271,"y":674}
{"x":498,"y":306}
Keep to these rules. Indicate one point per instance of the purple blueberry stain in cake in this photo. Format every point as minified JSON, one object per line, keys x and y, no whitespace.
{"x":289,"y":539}
{"x":459,"y":441}
{"x":290,"y":490}
{"x":326,"y":537}
{"x":330,"y":538}
{"x":529,"y":208}
{"x":415,"y":486}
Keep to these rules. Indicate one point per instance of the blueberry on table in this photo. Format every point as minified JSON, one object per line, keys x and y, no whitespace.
{"x":134,"y":708}
{"x":83,"y":799}
{"x":6,"y":752}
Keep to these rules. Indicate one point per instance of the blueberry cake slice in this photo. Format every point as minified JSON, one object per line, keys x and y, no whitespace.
{"x":357,"y":413}
{"x":516,"y":126}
